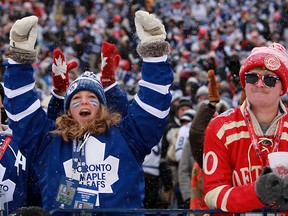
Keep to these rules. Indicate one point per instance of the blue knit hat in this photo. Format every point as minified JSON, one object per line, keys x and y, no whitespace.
{"x":86,"y":82}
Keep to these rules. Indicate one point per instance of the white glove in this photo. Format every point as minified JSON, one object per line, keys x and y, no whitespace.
{"x":23,"y":33}
{"x":59,"y":67}
{"x":149,"y":28}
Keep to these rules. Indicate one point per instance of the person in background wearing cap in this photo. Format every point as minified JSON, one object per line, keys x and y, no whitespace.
{"x":184,"y":160}
{"x":182,"y":135}
{"x":201,"y":94}
{"x":191,"y":87}
{"x":168,"y":150}
{"x":88,"y":149}
{"x":176,"y":95}
{"x":237,"y":176}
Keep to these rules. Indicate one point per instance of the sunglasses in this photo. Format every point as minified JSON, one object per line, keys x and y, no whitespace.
{"x":268,"y":80}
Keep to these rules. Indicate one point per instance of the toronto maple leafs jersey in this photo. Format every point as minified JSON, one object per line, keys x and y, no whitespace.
{"x":113,"y":159}
{"x":13,"y":172}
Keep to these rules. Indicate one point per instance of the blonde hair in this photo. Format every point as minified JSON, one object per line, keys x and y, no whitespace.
{"x":70,"y":129}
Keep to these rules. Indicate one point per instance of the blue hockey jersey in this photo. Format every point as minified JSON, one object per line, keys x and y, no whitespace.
{"x":14,"y":171}
{"x":114,"y":159}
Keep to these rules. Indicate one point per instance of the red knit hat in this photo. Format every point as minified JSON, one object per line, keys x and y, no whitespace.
{"x":274,"y":58}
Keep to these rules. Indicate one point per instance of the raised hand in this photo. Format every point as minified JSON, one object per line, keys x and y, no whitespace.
{"x":213,"y":88}
{"x":149,"y":28}
{"x":23,"y":33}
{"x":60,"y":70}
{"x":152,"y":35}
{"x":110,"y":62}
{"x":23,"y":36}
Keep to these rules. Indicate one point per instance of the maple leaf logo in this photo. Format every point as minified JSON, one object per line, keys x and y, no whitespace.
{"x":101,"y":173}
{"x":103,"y":61}
{"x":60,"y":67}
{"x":7,"y":187}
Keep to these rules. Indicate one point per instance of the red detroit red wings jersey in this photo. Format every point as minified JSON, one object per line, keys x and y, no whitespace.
{"x":231,"y":164}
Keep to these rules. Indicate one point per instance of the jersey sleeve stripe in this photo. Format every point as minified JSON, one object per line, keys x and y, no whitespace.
{"x":212,"y":196}
{"x":16,"y":92}
{"x":237,"y":136}
{"x":159,"y":88}
{"x":31,"y":109}
{"x":155,"y":112}
{"x":224,"y":201}
{"x":228,"y":126}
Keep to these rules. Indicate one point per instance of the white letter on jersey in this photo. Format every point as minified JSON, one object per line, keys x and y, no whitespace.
{"x":245,"y":175}
{"x":214,"y":161}
{"x":20,"y":159}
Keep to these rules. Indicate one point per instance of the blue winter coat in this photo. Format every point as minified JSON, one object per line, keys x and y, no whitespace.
{"x":114,"y":159}
{"x":14,"y":171}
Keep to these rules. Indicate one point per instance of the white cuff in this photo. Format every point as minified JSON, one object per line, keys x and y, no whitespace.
{"x":57,"y":96}
{"x":156,"y":59}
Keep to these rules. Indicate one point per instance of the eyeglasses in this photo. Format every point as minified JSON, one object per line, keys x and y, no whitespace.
{"x":268,"y":80}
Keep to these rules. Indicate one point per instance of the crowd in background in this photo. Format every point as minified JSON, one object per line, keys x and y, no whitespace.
{"x":203,"y":34}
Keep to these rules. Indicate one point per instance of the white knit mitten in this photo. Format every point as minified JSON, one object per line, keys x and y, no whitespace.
{"x":23,"y":33}
{"x":149,"y":28}
{"x":152,"y":35}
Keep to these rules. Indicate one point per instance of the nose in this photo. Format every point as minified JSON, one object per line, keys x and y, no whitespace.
{"x":84,"y":100}
{"x":260,"y":82}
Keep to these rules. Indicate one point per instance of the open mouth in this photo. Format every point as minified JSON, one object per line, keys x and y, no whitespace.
{"x":85,"y":112}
